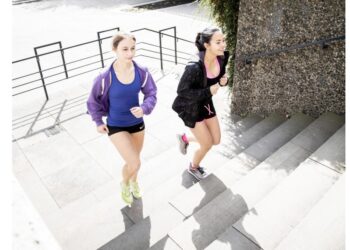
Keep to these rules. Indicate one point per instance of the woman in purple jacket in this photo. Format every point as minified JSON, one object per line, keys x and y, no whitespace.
{"x":115,"y":94}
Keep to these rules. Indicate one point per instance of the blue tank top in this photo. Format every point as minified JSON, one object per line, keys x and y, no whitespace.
{"x":122,"y":97}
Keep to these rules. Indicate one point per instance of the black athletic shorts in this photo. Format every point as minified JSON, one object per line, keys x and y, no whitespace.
{"x":132,"y":129}
{"x":206,"y":111}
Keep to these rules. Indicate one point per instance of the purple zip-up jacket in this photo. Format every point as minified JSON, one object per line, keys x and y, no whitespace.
{"x":98,"y":102}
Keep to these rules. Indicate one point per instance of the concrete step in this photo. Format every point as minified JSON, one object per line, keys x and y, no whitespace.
{"x":258,"y":131}
{"x":233,"y":203}
{"x":313,"y":138}
{"x":203,"y":192}
{"x":323,"y":228}
{"x":172,"y":184}
{"x":238,"y":127}
{"x":166,"y":180}
{"x":280,"y":211}
{"x":148,"y":231}
{"x":230,"y":130}
{"x":234,"y":144}
{"x":231,"y":239}
{"x":165,"y":243}
{"x":162,"y":169}
{"x":333,"y":156}
{"x":174,"y":178}
{"x":273,"y":170}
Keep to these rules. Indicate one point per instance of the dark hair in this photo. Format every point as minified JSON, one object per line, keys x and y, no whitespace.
{"x":205,"y":37}
{"x":117,"y":38}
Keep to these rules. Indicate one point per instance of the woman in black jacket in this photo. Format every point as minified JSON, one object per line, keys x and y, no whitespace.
{"x":194,"y":105}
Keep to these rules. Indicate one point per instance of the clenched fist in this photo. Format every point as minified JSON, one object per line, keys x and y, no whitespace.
{"x":214,"y":88}
{"x":137,"y":112}
{"x":103,"y":129}
{"x":223,"y":80}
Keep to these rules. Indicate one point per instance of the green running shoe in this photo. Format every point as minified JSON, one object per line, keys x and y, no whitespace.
{"x":135,"y":189}
{"x":126,"y":194}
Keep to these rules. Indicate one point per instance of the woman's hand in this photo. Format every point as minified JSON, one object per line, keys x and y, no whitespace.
{"x":214,"y":88}
{"x":103,"y":129}
{"x":223,"y":80}
{"x":137,"y":112}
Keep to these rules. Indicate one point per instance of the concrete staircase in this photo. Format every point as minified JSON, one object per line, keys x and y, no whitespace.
{"x":270,"y":180}
{"x":275,"y":183}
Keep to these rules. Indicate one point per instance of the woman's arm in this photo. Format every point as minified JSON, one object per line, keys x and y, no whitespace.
{"x":150,"y":95}
{"x":93,"y":103}
{"x":189,"y":79}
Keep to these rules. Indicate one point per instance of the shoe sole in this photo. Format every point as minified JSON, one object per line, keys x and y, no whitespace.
{"x":137,"y":197}
{"x":127,"y":203}
{"x":182,"y":150}
{"x":195,"y":176}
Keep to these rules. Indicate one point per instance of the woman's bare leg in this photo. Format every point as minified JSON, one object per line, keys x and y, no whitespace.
{"x":124,"y":144}
{"x":202,"y":135}
{"x":138,"y":139}
{"x":214,"y":129}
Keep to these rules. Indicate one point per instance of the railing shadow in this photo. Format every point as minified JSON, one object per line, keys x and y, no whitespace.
{"x":50,"y":113}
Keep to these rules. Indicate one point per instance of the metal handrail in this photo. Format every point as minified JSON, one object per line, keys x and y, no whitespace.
{"x":148,"y":50}
{"x":178,"y":52}
{"x":155,"y":31}
{"x":323,"y":42}
{"x":246,"y":58}
{"x":64,"y":64}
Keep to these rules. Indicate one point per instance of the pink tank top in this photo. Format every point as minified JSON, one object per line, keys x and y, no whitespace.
{"x":209,"y":74}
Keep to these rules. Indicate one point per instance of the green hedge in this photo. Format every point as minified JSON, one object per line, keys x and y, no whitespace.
{"x":225,"y":13}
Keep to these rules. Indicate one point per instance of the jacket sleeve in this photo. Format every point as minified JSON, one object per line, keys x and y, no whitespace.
{"x":94,"y":104}
{"x":188,"y":80}
{"x":150,"y":95}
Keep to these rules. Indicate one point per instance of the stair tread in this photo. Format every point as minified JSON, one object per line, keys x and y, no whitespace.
{"x":204,"y":191}
{"x":226,"y":205}
{"x":237,"y":144}
{"x":310,"y":138}
{"x":270,"y":220}
{"x":146,"y":232}
{"x":175,"y":182}
{"x":179,"y":180}
{"x":326,"y":219}
{"x":231,"y":239}
{"x":279,"y":136}
{"x":235,"y":201}
{"x":262,"y":128}
{"x":334,"y":155}
{"x":165,"y":244}
{"x":156,"y":193}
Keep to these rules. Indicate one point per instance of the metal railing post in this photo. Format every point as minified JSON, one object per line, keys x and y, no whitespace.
{"x":160,"y":50}
{"x":64,"y":61}
{"x":99,"y":40}
{"x":175,"y":44}
{"x":41,"y":73}
{"x":160,"y":44}
{"x":100,"y":47}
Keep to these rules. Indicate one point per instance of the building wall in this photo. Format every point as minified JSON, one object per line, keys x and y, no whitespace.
{"x":309,"y":80}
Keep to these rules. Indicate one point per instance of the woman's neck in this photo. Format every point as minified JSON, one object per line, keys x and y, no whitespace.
{"x":123,"y":65}
{"x":209,"y":58}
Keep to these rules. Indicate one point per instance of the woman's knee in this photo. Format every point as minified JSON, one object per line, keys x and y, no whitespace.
{"x":206,"y":145}
{"x":134,"y":165}
{"x":216,"y":141}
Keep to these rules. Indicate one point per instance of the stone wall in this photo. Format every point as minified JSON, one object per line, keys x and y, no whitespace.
{"x":309,"y":80}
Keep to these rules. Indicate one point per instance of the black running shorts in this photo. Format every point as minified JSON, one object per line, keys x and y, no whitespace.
{"x":132,"y":129}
